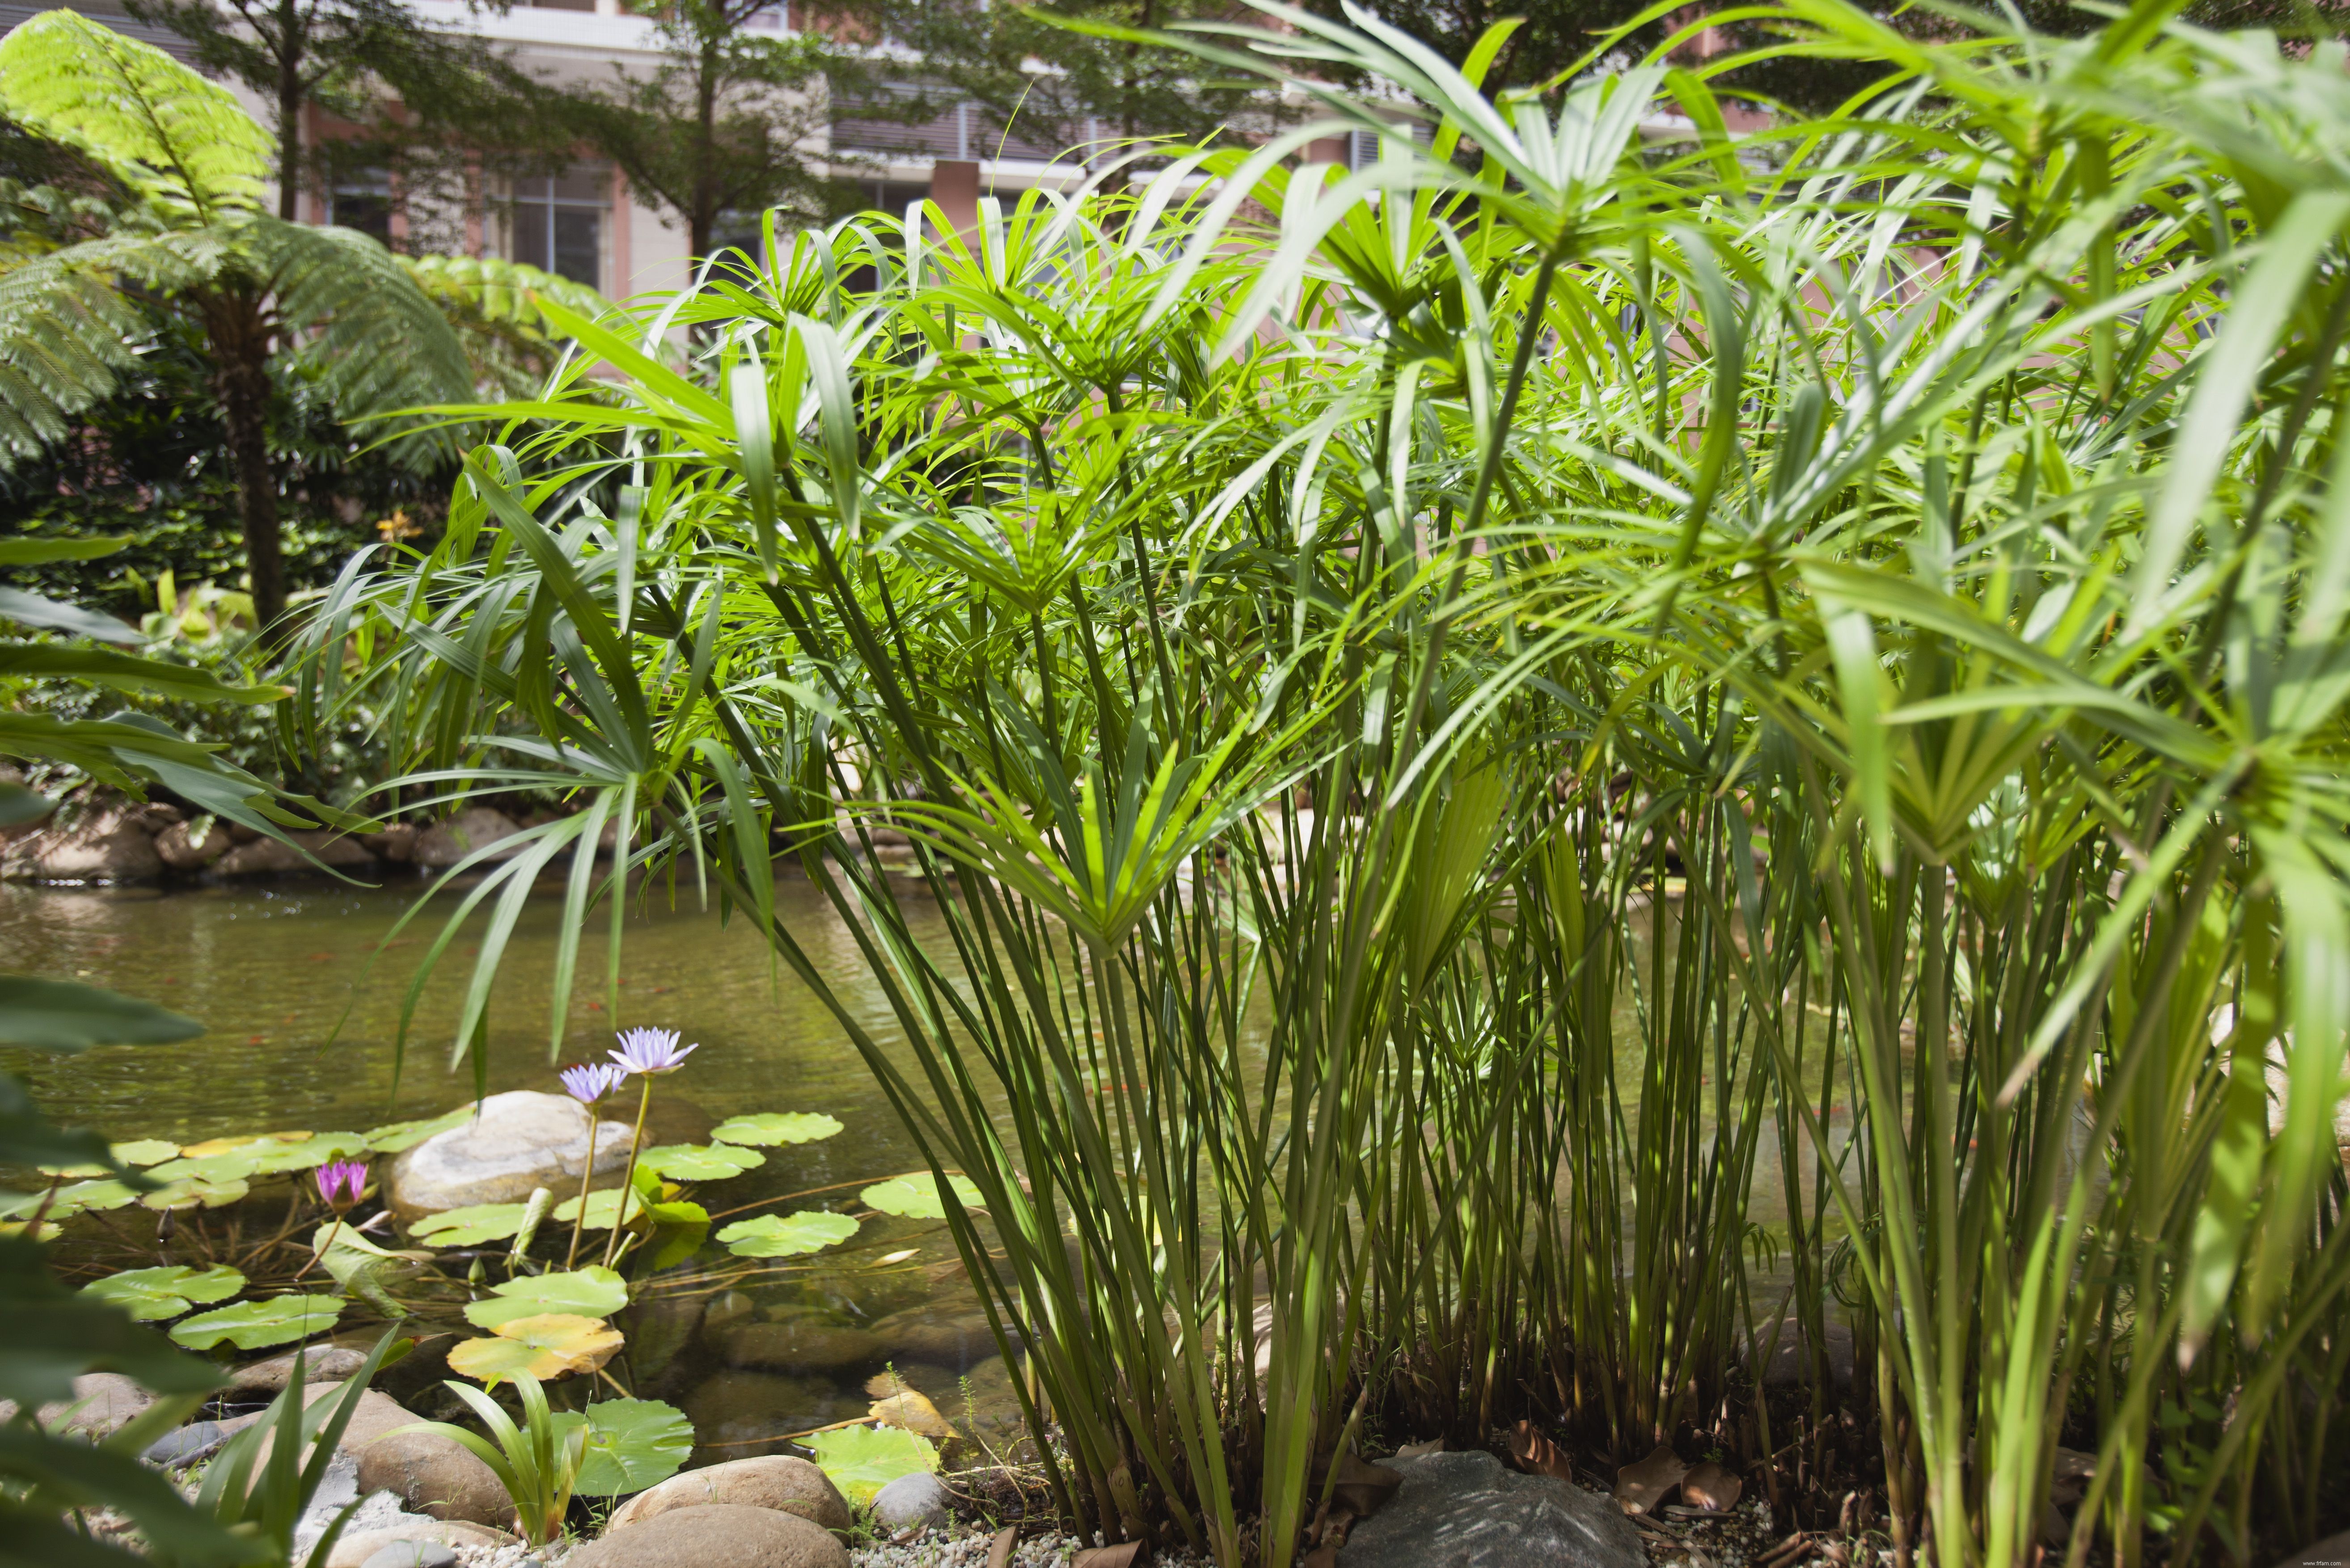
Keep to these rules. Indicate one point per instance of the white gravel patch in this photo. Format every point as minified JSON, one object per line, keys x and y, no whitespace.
{"x":967,"y":1548}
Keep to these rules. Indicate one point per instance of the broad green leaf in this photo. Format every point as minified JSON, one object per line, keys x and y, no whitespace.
{"x":254,"y":1325}
{"x":470,"y":1226}
{"x":588,"y":1293}
{"x":862,"y":1461}
{"x":59,"y":1016}
{"x":191,"y":1193}
{"x":915,"y":1195}
{"x":206,"y":1167}
{"x":145,"y":1151}
{"x":394,"y":1136}
{"x":21,"y":807}
{"x":80,"y":1198}
{"x":40,"y":552}
{"x":699,"y":1162}
{"x":602,"y":1209}
{"x":787,"y":1236}
{"x":770,"y":1127}
{"x":150,"y":1295}
{"x":633,"y":1444}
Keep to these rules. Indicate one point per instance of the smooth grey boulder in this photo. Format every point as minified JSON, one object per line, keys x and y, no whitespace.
{"x":320,"y":1364}
{"x":186,"y":1445}
{"x":437,"y":1476}
{"x":1464,"y":1511}
{"x":910,"y":1501}
{"x":444,"y":843}
{"x":101,"y":1402}
{"x":356,"y":1549}
{"x":516,"y":1142}
{"x":184,"y":848}
{"x":268,"y":857}
{"x":109,"y":844}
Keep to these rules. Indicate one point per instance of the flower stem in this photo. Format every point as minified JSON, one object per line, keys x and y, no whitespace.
{"x":319,"y":1256}
{"x":629,"y":1175}
{"x":586,"y":1179}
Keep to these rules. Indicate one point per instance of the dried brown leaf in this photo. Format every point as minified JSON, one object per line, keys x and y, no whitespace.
{"x":1639,"y":1488}
{"x":1126,"y":1554}
{"x":1711,"y":1487}
{"x":1000,"y":1549}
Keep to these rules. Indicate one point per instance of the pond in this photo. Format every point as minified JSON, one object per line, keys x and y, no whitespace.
{"x":301,"y":1030}
{"x":302,"y":1013}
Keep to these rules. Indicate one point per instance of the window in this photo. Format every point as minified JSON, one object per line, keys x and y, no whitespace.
{"x":361,"y":198}
{"x":559,"y":223}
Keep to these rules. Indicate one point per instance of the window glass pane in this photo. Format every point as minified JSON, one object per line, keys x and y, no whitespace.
{"x":530,"y":236}
{"x":577,"y":256}
{"x":581,"y":182}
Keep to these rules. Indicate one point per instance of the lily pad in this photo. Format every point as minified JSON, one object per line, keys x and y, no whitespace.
{"x":786,"y":1235}
{"x":589,"y":1292}
{"x":601,"y":1208}
{"x":699,"y":1162}
{"x":232,"y":1166}
{"x":633,"y":1444}
{"x":394,"y":1136}
{"x":471,"y":1226}
{"x":770,"y":1127}
{"x":915,"y":1195}
{"x":145,"y":1151}
{"x":547,"y":1346}
{"x":241,"y":1143}
{"x":189,"y":1194}
{"x":150,"y":1295}
{"x":83,"y":1197}
{"x":254,"y":1325}
{"x":309,"y":1154}
{"x":862,"y":1461}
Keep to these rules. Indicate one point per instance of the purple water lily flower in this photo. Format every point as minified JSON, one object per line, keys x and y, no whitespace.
{"x":591,"y":1081}
{"x":341,"y":1182}
{"x":652,"y":1051}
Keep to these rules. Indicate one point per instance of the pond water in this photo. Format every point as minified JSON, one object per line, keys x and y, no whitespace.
{"x":302,"y":1014}
{"x":301,"y":1033}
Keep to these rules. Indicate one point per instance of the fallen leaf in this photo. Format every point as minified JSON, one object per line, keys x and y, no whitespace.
{"x":1000,"y":1549}
{"x":1324,"y":1556}
{"x":1639,"y":1488}
{"x":547,"y":1346}
{"x":1415,"y":1451}
{"x":1126,"y":1554}
{"x":1711,"y":1487}
{"x":1538,"y":1455}
{"x":1363,"y":1488}
{"x":915,"y":1413}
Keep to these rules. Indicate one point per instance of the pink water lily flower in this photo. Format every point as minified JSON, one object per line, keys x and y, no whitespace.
{"x":652,"y":1051}
{"x":341,"y":1182}
{"x":591,"y":1081}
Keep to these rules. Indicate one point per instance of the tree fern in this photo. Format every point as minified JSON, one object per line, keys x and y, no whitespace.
{"x":178,"y":140}
{"x":62,"y":334}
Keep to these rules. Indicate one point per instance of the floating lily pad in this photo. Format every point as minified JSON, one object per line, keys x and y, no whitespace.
{"x":699,"y":1162}
{"x":150,"y":1295}
{"x":254,"y":1325}
{"x":232,"y":1166}
{"x":50,"y":1230}
{"x":471,"y":1226}
{"x":145,"y":1151}
{"x":786,"y":1235}
{"x":547,"y":1346}
{"x":83,"y":1197}
{"x":241,"y":1143}
{"x":862,"y":1461}
{"x":770,"y":1127}
{"x":916,"y":1196}
{"x":633,"y":1444}
{"x":588,"y":1293}
{"x":273,"y":1157}
{"x":601,"y":1208}
{"x":191,"y":1194}
{"x":394,"y":1136}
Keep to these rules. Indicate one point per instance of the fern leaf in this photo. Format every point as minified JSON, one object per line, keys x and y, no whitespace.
{"x":377,"y":343}
{"x":180,"y":140}
{"x":64,"y":333}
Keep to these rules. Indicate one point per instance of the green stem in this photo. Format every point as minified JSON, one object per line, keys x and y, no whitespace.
{"x":628,"y":1176}
{"x":587,"y":1179}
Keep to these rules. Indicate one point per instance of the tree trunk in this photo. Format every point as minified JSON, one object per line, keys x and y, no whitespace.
{"x":289,"y":115}
{"x":240,"y":341}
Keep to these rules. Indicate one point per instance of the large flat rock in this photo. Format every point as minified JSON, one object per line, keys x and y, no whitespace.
{"x":515,"y":1142}
{"x":1464,"y":1511}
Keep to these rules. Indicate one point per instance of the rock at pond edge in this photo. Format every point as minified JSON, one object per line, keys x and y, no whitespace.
{"x":778,"y":1481}
{"x":715,"y":1535}
{"x":1464,"y":1511}
{"x":518,"y":1141}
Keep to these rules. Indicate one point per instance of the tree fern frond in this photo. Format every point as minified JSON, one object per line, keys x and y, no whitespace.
{"x":178,"y":138}
{"x":493,"y":307}
{"x":378,"y":343}
{"x":64,"y":332}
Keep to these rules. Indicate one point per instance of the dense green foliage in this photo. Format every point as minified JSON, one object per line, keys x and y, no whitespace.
{"x":1558,"y":743}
